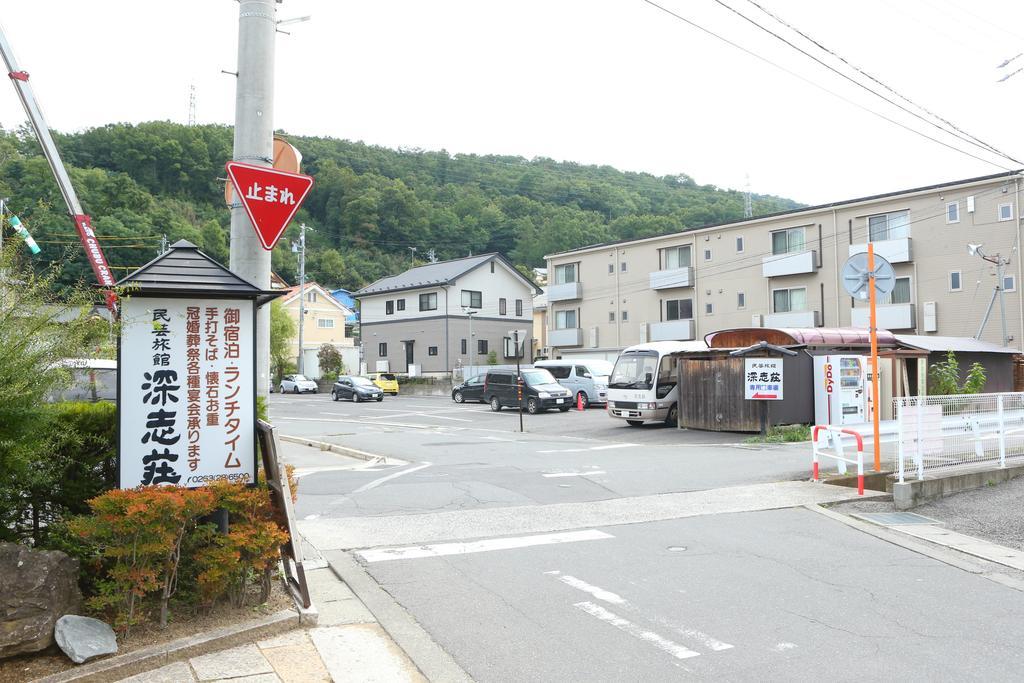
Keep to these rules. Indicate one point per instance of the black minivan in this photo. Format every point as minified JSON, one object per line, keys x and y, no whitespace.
{"x":541,"y":391}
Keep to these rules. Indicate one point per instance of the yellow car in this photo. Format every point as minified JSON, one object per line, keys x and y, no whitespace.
{"x":385,"y":381}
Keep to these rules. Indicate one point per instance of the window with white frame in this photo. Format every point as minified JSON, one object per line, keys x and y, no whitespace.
{"x":676,"y":257}
{"x":611,"y":269}
{"x":1006,"y":211}
{"x":707,"y":254}
{"x":678,"y":309}
{"x":502,"y":306}
{"x":565,"y":320}
{"x":709,"y":308}
{"x":382,"y":349}
{"x":889,"y":226}
{"x":519,"y":307}
{"x":741,"y":300}
{"x":325,"y":323}
{"x":565,"y":274}
{"x":955,"y":281}
{"x":472,"y":299}
{"x":311,"y":296}
{"x":622,"y":266}
{"x":953,"y":212}
{"x":1009,"y":283}
{"x":739,"y":245}
{"x":789,"y":241}
{"x":611,"y":316}
{"x":625,"y":316}
{"x":900,"y":293}
{"x":789,"y":300}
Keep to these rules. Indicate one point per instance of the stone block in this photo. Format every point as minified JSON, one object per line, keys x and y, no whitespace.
{"x":84,"y":638}
{"x":37,"y":587}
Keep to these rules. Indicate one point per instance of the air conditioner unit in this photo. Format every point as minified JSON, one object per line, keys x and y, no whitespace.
{"x":931,"y":316}
{"x":593,"y":338}
{"x":757,"y":320}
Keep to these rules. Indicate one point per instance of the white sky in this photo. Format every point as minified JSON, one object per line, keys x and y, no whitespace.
{"x":613,"y":82}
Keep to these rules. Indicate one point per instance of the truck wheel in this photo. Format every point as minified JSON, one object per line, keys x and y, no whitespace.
{"x":672,"y":419}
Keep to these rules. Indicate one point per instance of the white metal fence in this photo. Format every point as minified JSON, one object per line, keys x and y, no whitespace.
{"x":935,"y":432}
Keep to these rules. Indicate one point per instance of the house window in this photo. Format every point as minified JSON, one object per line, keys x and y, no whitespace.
{"x":788,"y":241}
{"x":1006,"y":212}
{"x":739,"y":245}
{"x":431,"y":350}
{"x":741,"y":300}
{"x":889,"y":226}
{"x":709,"y":309}
{"x":707,"y":254}
{"x":492,"y":269}
{"x":481,"y":346}
{"x":311,"y":296}
{"x":471,"y":299}
{"x":676,"y":257}
{"x":789,"y":300}
{"x":428,"y":302}
{"x":325,"y":323}
{"x":1009,"y":283}
{"x":382,"y":349}
{"x":953,"y":212}
{"x":679,"y":309}
{"x":565,"y":320}
{"x":611,"y":269}
{"x":401,"y":304}
{"x":389,"y":307}
{"x":565,"y":274}
{"x":611,"y":316}
{"x":955,"y":281}
{"x":900,"y":293}
{"x":625,"y":316}
{"x":622,"y":266}
{"x":502,"y":307}
{"x":464,"y":347}
{"x":519,"y":307}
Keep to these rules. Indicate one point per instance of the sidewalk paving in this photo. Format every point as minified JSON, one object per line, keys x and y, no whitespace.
{"x":346,"y":645}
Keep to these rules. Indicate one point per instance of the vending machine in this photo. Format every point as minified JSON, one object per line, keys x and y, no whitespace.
{"x":842,"y":389}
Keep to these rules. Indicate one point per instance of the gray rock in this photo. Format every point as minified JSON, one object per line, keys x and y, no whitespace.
{"x":37,"y":587}
{"x":83,"y":638}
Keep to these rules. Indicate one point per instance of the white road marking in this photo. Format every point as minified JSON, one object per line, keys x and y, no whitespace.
{"x":441,"y":549}
{"x":394,"y":475}
{"x":566,"y":450}
{"x":613,"y":445}
{"x":616,"y":599}
{"x":664,"y":644}
{"x":782,"y":647}
{"x":573,"y":474}
{"x":606,"y":447}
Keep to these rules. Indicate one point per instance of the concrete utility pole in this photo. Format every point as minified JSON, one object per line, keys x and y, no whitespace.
{"x":472,"y":349}
{"x":301,"y":249}
{"x":254,"y":144}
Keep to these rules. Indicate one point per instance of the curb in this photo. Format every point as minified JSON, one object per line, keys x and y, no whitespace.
{"x":155,"y":656}
{"x":333,"y":448}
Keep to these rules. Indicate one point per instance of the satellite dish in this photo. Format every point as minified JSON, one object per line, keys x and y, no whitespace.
{"x":856,"y":275}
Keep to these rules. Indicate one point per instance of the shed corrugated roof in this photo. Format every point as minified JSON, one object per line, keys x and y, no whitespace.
{"x":962,"y":344}
{"x":800,"y":336}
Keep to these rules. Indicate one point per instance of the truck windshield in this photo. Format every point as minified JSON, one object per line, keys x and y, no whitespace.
{"x":634,"y":370}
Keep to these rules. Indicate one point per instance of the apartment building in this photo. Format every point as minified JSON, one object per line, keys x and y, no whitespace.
{"x":783,"y":270}
{"x":441,"y":316}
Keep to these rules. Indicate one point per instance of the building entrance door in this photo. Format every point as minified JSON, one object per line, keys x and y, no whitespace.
{"x":408,"y":354}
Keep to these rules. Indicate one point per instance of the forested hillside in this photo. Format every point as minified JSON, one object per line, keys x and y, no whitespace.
{"x":368,"y":207}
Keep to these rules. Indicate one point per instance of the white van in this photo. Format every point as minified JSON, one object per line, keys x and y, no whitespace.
{"x":584,"y":377}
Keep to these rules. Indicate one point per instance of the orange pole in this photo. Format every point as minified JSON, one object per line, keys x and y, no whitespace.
{"x":872,"y":323}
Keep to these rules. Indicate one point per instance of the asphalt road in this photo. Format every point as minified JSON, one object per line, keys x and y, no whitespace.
{"x":583,"y":549}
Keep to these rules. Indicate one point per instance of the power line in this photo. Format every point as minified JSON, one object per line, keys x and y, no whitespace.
{"x":977,"y":141}
{"x":819,"y":86}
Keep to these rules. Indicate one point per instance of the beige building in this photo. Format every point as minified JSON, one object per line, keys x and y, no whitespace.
{"x":324,"y":324}
{"x":783,"y":270}
{"x":540,"y":323}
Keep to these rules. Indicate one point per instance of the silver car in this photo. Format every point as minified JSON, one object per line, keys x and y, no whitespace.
{"x":297,"y":384}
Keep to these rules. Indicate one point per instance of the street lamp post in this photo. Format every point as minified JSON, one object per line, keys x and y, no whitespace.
{"x":472,"y":349}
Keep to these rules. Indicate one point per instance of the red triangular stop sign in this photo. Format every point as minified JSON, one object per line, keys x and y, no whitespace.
{"x":270,"y":197}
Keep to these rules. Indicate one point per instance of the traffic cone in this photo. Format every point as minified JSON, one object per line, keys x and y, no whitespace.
{"x":579,"y":401}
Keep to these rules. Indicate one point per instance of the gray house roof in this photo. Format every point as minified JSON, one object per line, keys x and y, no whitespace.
{"x":436,"y":274}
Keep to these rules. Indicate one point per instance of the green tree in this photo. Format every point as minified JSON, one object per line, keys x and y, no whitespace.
{"x":946,"y":380}
{"x":331,"y":363}
{"x":214,"y":241}
{"x":282,"y":331}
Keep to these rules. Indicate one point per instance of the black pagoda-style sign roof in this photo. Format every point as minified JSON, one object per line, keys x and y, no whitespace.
{"x":184,"y":270}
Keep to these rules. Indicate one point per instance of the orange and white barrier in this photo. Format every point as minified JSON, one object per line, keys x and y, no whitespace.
{"x":832,"y":447}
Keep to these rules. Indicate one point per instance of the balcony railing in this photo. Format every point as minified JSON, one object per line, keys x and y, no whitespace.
{"x":565,"y":292}
{"x":888,"y":316}
{"x":794,"y":263}
{"x":672,"y":330}
{"x":893,"y":251}
{"x":793,"y":319}
{"x":570,"y":336}
{"x":674,"y":277}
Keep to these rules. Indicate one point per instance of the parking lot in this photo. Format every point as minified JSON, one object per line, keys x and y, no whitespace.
{"x":420,"y":412}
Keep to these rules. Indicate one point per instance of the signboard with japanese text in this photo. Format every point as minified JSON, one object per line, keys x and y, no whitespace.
{"x":762,"y":379}
{"x":270,"y":197}
{"x":185,"y":392}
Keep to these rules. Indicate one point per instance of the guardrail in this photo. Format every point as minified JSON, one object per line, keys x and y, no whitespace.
{"x":834,"y":448}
